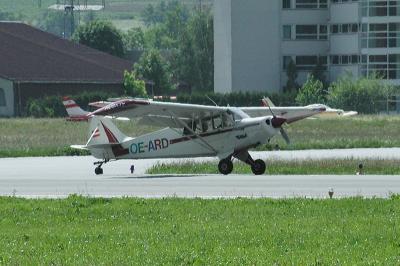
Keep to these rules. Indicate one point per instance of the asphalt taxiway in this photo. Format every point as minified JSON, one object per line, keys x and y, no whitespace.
{"x":61,"y":176}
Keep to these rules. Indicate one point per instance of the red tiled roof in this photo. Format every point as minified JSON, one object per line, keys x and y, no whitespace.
{"x":29,"y":54}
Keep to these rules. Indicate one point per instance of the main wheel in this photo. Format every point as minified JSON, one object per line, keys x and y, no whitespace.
{"x":225,"y":166}
{"x":258,"y":168}
{"x":98,"y":171}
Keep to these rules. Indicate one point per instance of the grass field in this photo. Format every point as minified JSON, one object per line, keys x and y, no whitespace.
{"x":277,"y":167}
{"x":35,"y":137}
{"x":49,"y":137}
{"x":88,"y":231}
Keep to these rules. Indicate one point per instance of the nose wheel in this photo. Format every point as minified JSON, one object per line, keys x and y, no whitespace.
{"x":258,"y":167}
{"x":225,"y":166}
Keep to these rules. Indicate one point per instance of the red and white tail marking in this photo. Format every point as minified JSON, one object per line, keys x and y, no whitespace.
{"x":96,"y":133}
{"x":111,"y":137}
{"x":74,"y":111}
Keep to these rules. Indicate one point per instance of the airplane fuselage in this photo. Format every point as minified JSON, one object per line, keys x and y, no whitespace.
{"x":173,"y":143}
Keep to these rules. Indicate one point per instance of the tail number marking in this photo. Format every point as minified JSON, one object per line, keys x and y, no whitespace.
{"x":153,"y":145}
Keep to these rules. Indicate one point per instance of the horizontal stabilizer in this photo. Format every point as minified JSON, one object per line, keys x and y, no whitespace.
{"x":79,"y":147}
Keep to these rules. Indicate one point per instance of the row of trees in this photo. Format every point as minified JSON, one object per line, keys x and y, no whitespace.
{"x":177,"y":47}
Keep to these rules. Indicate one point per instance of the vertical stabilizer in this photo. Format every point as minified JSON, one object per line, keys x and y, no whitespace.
{"x":75,"y":113}
{"x":103,"y":131}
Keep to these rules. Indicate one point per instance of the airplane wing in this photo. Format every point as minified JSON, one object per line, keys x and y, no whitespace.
{"x":99,"y":104}
{"x":291,"y":113}
{"x":166,"y":113}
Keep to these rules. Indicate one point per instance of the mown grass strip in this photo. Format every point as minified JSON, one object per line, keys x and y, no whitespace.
{"x":172,"y":231}
{"x":287,"y":167}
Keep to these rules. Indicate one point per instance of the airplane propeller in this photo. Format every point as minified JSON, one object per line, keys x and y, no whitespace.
{"x":278,"y":121}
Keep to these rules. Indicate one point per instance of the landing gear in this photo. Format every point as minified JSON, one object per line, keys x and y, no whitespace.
{"x":225,"y":166}
{"x":258,"y":167}
{"x":98,"y":170}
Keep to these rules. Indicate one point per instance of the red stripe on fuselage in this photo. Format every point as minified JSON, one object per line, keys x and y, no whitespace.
{"x":206,"y":134}
{"x":72,"y":105}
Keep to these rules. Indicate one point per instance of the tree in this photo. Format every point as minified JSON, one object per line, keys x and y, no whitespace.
{"x":291,"y":72}
{"x":164,"y":32}
{"x":153,"y":67}
{"x":100,"y":35}
{"x":311,"y":92}
{"x":194,"y":60}
{"x":51,"y":21}
{"x":318,"y":71}
{"x":134,"y":86}
{"x":9,"y":16}
{"x":134,"y":39}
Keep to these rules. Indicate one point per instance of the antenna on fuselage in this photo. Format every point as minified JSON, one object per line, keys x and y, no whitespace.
{"x":212,"y":100}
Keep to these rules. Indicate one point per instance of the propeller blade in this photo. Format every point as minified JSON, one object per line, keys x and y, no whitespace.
{"x":285,"y":136}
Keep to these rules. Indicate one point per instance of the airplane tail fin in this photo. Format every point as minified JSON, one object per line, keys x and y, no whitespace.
{"x":103,"y":132}
{"x":75,"y":113}
{"x":266,"y":101}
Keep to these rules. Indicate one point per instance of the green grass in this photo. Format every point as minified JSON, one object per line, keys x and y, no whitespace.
{"x":43,"y":137}
{"x":287,"y":167}
{"x":131,"y":231}
{"x":49,"y":137}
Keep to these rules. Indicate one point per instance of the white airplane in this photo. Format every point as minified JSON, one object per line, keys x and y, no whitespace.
{"x":190,"y":131}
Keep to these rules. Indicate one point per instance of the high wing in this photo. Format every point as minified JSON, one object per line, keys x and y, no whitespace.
{"x":292,"y":113}
{"x":167,"y":113}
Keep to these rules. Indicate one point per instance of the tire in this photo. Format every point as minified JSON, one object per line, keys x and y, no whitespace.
{"x":225,"y":166}
{"x":258,"y":168}
{"x":98,"y":171}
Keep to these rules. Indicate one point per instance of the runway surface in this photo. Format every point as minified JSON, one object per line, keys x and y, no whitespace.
{"x":53,"y":177}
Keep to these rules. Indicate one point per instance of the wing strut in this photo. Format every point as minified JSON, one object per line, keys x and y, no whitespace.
{"x":191,"y":131}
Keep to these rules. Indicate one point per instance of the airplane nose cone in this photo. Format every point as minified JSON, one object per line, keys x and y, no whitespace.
{"x":277,"y":121}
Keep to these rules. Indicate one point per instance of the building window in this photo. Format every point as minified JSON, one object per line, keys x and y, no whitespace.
{"x":343,"y":1}
{"x":380,"y":8}
{"x":311,"y":32}
{"x":323,"y":32}
{"x":344,"y":28}
{"x":344,"y":59}
{"x":334,"y":60}
{"x":287,"y":32}
{"x":306,"y":32}
{"x":286,"y":4}
{"x":2,"y":98}
{"x":305,"y":4}
{"x":380,"y":35}
{"x":308,"y":62}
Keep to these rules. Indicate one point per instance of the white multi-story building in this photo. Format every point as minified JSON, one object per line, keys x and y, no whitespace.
{"x":254,"y":40}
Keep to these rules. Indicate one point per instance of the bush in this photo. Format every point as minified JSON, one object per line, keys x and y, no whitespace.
{"x":311,"y":92}
{"x":134,"y":86}
{"x":364,"y":95}
{"x":52,"y":106}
